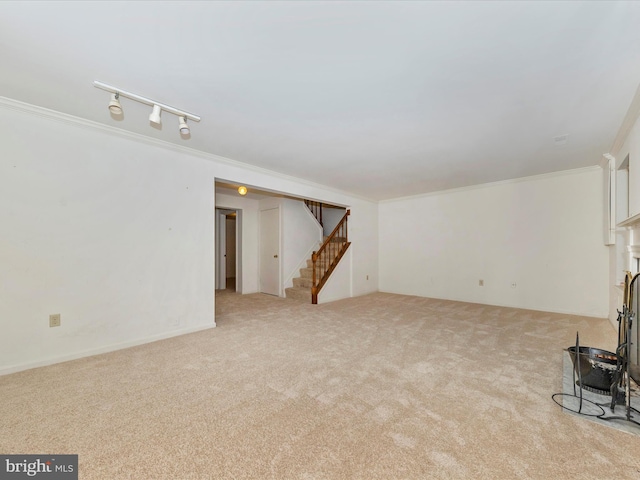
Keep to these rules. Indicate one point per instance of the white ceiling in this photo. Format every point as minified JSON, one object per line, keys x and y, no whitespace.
{"x":381,"y":99}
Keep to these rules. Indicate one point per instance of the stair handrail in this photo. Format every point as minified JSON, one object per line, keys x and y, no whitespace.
{"x":326,"y":258}
{"x":316,"y":210}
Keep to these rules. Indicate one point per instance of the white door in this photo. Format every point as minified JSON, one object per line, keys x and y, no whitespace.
{"x":270,"y":251}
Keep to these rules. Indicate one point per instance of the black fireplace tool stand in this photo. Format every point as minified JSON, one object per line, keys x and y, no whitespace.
{"x":620,"y":388}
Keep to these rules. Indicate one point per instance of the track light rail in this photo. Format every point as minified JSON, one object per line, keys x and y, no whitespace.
{"x":146,"y":101}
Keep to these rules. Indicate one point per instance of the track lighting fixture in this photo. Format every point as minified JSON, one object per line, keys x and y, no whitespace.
{"x":116,"y":109}
{"x":114,"y":105}
{"x":184,"y":128}
{"x":155,"y":115}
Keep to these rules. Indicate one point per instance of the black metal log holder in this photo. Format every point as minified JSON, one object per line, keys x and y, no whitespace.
{"x":597,"y":411}
{"x":620,"y":388}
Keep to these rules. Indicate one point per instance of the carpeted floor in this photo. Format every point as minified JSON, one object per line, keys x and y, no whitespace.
{"x":377,"y":387}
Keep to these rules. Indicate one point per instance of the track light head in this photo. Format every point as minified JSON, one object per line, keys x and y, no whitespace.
{"x":114,"y":105}
{"x":155,"y":115}
{"x":184,"y":128}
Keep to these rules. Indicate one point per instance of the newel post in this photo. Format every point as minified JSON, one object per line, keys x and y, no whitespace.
{"x":314,"y":288}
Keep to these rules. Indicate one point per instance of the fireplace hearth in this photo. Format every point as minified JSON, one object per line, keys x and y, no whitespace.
{"x":596,"y":373}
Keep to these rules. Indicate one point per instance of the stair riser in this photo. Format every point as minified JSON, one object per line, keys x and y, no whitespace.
{"x":296,"y":294}
{"x":302,"y":282}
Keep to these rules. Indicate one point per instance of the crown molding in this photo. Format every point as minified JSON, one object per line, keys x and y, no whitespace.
{"x":16,"y":105}
{"x":479,"y":186}
{"x":607,"y":161}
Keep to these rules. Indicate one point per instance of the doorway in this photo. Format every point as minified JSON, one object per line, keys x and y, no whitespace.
{"x":228,"y":247}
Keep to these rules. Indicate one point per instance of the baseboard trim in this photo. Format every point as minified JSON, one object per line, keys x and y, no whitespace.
{"x":505,"y":305}
{"x":97,"y":351}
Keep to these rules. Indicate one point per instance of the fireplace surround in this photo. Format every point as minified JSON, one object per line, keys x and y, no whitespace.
{"x":629,"y":243}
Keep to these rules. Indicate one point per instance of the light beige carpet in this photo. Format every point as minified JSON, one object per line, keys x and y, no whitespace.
{"x":377,"y":387}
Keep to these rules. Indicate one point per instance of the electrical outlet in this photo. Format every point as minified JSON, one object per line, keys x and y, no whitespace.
{"x":513,"y":284}
{"x":54,"y":320}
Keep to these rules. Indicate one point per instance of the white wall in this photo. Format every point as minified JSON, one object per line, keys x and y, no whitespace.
{"x":330,"y":218}
{"x":113,"y":235}
{"x":542,"y":233}
{"x":364,"y":248}
{"x":631,"y":147}
{"x":115,"y":232}
{"x":338,"y":285}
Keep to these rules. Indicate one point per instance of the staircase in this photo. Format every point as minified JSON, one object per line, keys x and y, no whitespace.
{"x":323,"y":261}
{"x":301,"y":289}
